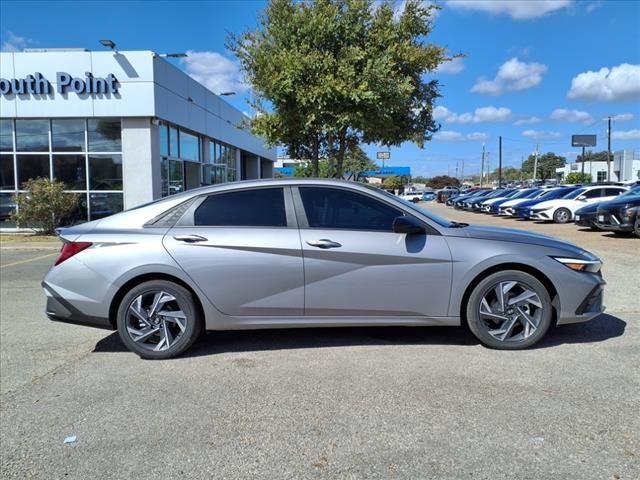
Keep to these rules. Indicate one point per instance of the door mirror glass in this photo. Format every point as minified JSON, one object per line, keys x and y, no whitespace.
{"x":582,"y":197}
{"x":408,"y":225}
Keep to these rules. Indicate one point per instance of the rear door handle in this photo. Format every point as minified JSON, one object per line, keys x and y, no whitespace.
{"x":323,"y":243}
{"x":190,"y":238}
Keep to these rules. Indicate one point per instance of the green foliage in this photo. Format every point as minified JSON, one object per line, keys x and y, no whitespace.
{"x":578,"y":177}
{"x":547,"y":165}
{"x":44,"y":205}
{"x":442,"y":181}
{"x":595,"y":157}
{"x":356,"y":162}
{"x":420,"y":179}
{"x":392,"y":183}
{"x":330,"y":74}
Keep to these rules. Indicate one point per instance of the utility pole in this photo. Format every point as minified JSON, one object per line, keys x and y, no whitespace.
{"x":500,"y":161}
{"x":488,"y":167}
{"x":462,"y":171}
{"x":482,"y":168}
{"x":583,"y":163}
{"x":609,"y":151}
{"x":457,"y":171}
{"x":535,"y":164}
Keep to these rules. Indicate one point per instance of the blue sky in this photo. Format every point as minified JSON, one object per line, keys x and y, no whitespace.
{"x":533,"y":72}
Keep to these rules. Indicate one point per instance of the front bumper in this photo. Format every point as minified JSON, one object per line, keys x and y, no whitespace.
{"x":541,"y":215}
{"x":613,"y":222}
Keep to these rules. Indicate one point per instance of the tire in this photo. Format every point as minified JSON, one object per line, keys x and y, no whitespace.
{"x":489,"y":328}
{"x":562,"y":215}
{"x":158,"y":337}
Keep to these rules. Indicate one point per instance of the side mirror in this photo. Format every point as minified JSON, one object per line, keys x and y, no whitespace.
{"x":408,"y":225}
{"x":582,"y":197}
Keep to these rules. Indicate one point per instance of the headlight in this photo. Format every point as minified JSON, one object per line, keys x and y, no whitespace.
{"x":580,"y":265}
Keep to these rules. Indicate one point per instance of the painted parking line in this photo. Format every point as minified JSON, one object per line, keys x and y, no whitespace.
{"x":33,"y":259}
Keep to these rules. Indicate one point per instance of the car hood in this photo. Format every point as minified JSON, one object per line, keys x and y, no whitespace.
{"x":513,"y":235}
{"x":630,"y":201}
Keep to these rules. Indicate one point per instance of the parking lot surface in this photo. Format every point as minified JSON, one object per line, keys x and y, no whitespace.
{"x":324,"y":403}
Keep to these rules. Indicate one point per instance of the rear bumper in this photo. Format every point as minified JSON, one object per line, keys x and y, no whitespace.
{"x":60,"y":310}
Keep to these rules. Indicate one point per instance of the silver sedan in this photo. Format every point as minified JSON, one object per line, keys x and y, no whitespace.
{"x":311,"y":253}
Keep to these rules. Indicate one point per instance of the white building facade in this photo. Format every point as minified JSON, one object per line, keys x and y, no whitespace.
{"x":119,"y":128}
{"x":625,"y":167}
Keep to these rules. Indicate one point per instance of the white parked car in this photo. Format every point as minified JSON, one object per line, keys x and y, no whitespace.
{"x":562,"y":210}
{"x":414,"y":197}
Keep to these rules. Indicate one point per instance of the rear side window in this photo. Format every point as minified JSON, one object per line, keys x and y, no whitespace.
{"x":248,"y":208}
{"x":595,"y":193}
{"x":335,"y":208}
{"x":609,"y":192}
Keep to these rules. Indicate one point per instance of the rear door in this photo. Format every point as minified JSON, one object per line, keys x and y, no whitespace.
{"x":242,"y":248}
{"x":355,"y":265}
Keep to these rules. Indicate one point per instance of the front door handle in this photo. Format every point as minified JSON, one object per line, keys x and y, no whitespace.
{"x":323,"y":243}
{"x":190,"y":238}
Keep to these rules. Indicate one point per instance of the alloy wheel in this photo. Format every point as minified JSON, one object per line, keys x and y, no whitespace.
{"x":155,"y":320}
{"x":511,"y":311}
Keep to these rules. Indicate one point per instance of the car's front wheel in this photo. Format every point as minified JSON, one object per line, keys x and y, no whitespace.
{"x":158,"y":319}
{"x":509,"y":310}
{"x":562,"y":215}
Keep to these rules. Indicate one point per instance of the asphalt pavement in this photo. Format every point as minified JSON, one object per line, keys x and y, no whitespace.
{"x":322,"y":403}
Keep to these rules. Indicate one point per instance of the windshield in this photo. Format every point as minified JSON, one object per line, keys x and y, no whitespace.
{"x":412,"y":206}
{"x":521,"y":194}
{"x":574,"y":194}
{"x":634,"y":192}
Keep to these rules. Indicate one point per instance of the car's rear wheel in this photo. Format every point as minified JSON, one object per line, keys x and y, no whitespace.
{"x":158,"y":319}
{"x":509,"y":310}
{"x":562,"y":215}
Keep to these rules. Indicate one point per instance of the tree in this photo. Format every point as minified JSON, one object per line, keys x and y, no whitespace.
{"x":356,"y":162}
{"x":578,"y":177}
{"x":392,"y":183}
{"x":420,"y":179}
{"x":589,"y":156}
{"x":442,"y":181}
{"x":547,"y":165}
{"x":44,"y":206}
{"x":331,"y":74}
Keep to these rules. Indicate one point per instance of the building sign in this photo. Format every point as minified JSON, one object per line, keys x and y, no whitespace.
{"x":37,"y":84}
{"x":583,"y":140}
{"x":383,"y":155}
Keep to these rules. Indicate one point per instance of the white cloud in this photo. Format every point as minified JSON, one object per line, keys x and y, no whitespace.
{"x":607,"y":85}
{"x":215,"y":71}
{"x":15,"y":43}
{"x":540,"y":135}
{"x":528,"y":121}
{"x":516,"y":9}
{"x":479,"y":115}
{"x":453,"y":136}
{"x":452,"y":67}
{"x":626,"y":135}
{"x":623,"y":117}
{"x":591,"y":6}
{"x":564,"y":115}
{"x":513,"y":75}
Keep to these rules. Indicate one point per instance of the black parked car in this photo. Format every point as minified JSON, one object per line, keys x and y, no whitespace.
{"x":586,"y":216}
{"x":620,"y":215}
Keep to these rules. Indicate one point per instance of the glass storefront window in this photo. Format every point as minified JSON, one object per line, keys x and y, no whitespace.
{"x":81,"y":213}
{"x":70,"y":169}
{"x":164,"y":139}
{"x":176,"y":177}
{"x":6,"y":173}
{"x":6,"y":135}
{"x":189,"y":147}
{"x":7,"y":207}
{"x":67,"y":135}
{"x":32,"y":135}
{"x":32,"y":166}
{"x":104,"y":135}
{"x":104,"y":204}
{"x":173,"y":142}
{"x":105,"y":172}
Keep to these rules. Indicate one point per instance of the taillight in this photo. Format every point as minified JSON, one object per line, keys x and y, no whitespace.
{"x":69,"y":249}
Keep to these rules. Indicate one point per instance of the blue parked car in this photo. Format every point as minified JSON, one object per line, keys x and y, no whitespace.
{"x":495,"y":206}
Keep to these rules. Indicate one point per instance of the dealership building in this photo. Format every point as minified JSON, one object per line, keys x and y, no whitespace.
{"x":118,"y":128}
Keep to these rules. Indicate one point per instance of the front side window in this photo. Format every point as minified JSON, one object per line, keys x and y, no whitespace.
{"x":249,"y":208}
{"x":341,"y":209}
{"x":595,"y":193}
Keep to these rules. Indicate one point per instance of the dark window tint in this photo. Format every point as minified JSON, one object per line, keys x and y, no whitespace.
{"x":609,"y":192}
{"x":106,"y":172}
{"x":32,"y":166}
{"x":67,"y":135}
{"x":595,"y":193}
{"x":6,"y":172}
{"x":104,"y":135}
{"x":70,"y":169}
{"x":6,"y":135}
{"x":104,"y":204}
{"x":336,"y":208}
{"x":249,"y":208}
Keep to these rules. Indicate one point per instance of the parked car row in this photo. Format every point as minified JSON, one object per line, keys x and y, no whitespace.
{"x":599,"y":206}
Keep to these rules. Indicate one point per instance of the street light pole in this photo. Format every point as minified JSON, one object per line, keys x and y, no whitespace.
{"x":500,"y":162}
{"x":482,"y":168}
{"x":609,"y":151}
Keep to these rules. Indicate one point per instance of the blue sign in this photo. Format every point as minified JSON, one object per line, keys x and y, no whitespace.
{"x":37,"y":84}
{"x":388,"y":172}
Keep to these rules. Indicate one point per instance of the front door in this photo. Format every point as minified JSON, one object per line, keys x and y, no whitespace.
{"x":241,"y":250}
{"x":355,"y":265}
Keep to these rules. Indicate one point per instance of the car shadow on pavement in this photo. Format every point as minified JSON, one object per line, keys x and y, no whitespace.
{"x":600,"y":329}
